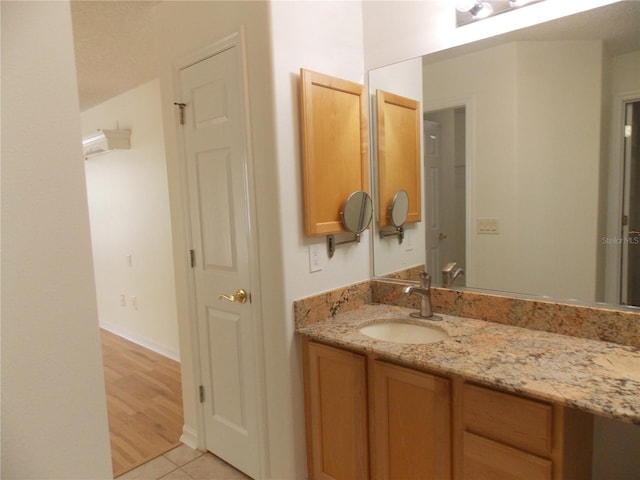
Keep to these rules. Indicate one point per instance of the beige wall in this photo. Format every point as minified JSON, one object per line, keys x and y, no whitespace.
{"x":129,"y":212}
{"x":54,"y":421}
{"x":525,"y":162}
{"x":558,"y":167}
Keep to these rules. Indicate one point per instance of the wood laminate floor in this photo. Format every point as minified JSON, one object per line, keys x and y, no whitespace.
{"x":144,"y":402}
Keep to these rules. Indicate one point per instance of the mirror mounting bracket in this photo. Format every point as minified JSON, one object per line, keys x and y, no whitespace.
{"x":399,"y":231}
{"x":331,"y":243}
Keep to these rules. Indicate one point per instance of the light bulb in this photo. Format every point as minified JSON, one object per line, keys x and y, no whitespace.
{"x":481,"y":10}
{"x":465,"y":5}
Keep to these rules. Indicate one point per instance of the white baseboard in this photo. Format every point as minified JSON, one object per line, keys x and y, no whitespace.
{"x":143,"y":342}
{"x":189,"y":437}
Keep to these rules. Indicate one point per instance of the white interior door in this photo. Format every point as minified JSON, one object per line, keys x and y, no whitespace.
{"x":216,"y":156}
{"x":444,"y":140}
{"x":433,"y":172}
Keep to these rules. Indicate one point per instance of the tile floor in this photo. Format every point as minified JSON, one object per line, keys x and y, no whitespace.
{"x":184,"y":463}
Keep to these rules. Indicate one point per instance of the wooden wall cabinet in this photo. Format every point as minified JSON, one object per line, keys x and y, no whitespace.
{"x":335,"y":142}
{"x":370,"y":419}
{"x":398,"y":152}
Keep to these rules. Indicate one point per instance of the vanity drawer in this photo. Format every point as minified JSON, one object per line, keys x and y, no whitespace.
{"x":516,"y":421}
{"x":486,"y":459}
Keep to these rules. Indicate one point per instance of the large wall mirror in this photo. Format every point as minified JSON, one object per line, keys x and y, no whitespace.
{"x":531,"y":180}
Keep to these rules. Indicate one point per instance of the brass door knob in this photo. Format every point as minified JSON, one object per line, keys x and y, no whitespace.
{"x":240,"y":297}
{"x":442,"y":236}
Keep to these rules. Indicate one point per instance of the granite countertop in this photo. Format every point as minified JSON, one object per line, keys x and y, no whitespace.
{"x":598,"y":377}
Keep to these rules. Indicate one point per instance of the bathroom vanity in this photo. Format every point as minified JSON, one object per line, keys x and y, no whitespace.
{"x":489,"y":401}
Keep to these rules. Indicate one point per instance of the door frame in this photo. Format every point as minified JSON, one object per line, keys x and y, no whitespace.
{"x":235,"y":39}
{"x":613,"y":251}
{"x":469,"y":103}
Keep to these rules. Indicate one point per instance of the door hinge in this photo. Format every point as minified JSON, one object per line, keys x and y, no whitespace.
{"x":192,"y":258}
{"x":181,"y":107}
{"x":625,"y":220}
{"x":201,"y":393}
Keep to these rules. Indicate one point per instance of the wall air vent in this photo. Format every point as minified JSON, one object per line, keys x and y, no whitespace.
{"x":104,"y":141}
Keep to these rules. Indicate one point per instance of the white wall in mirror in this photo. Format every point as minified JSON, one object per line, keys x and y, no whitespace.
{"x":526,"y":173}
{"x":625,"y":85}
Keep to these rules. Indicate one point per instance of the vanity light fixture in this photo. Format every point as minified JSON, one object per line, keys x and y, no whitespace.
{"x":468,"y":11}
{"x":477,"y":10}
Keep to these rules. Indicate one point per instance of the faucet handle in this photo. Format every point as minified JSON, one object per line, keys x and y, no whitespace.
{"x":425,"y":279}
{"x":448,"y":268}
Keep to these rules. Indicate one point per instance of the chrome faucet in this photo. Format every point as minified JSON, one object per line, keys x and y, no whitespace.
{"x":424,"y":290}
{"x":450,"y":273}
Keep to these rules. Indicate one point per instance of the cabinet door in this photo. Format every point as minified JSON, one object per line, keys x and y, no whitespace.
{"x":335,"y":145}
{"x":411,"y":424}
{"x":336,"y":413}
{"x":399,"y":159}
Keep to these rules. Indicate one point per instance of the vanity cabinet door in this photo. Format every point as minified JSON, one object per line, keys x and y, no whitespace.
{"x":411,"y":424}
{"x":336,"y":413}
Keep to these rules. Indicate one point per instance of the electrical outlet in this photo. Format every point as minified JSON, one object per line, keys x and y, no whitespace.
{"x":123,"y":300}
{"x":488,"y":226}
{"x":134,"y":302}
{"x":315,"y":257}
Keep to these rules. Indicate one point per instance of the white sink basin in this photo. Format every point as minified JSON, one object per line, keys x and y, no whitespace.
{"x":400,"y":332}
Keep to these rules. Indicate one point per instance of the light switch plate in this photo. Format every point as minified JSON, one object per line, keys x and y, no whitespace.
{"x":488,"y":226}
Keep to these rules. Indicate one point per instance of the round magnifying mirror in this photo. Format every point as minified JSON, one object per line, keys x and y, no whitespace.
{"x":399,"y":208}
{"x":357,"y":212}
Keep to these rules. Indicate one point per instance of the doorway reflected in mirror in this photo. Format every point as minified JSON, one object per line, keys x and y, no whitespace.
{"x":445,"y":177}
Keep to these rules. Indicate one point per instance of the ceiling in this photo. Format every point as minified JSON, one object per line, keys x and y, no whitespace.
{"x":115,"y":41}
{"x":114,"y":45}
